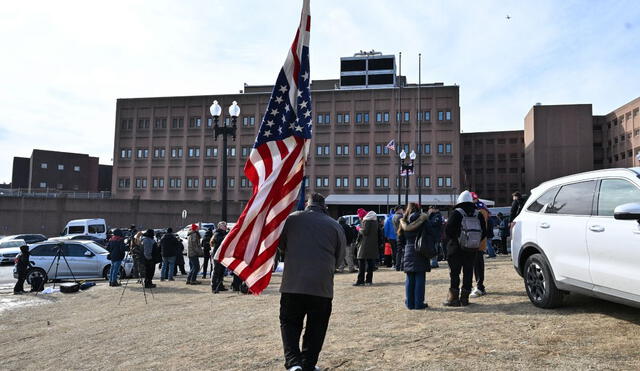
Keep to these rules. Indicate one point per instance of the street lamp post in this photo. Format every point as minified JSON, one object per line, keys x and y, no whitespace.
{"x":224,"y":130}
{"x":407,"y":169}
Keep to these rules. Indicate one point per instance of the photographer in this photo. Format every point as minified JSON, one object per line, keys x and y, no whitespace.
{"x":22,"y":267}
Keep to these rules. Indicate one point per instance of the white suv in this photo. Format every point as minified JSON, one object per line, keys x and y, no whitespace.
{"x":581,"y":233}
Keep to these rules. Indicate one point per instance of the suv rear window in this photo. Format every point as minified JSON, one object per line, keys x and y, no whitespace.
{"x":574,"y":199}
{"x":543,"y":200}
{"x":615,"y":192}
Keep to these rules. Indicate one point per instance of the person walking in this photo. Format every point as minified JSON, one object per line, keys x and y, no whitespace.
{"x":206,"y":248}
{"x":148,"y":243}
{"x":485,"y":246}
{"x":117,"y":250}
{"x":23,"y":264}
{"x":194,"y":252}
{"x":461,"y":258}
{"x":368,"y":247}
{"x":415,"y":265}
{"x":504,"y":233}
{"x":217,"y":276}
{"x":390,"y":234}
{"x":399,"y":248}
{"x":350,"y":236}
{"x":169,"y":248}
{"x":312,"y":244}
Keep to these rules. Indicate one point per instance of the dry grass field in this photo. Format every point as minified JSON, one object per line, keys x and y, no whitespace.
{"x":186,"y":327}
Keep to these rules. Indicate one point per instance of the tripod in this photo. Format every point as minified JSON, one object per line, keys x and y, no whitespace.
{"x":126,"y":283}
{"x":56,"y":260}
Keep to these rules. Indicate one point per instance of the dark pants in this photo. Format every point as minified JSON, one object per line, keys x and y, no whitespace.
{"x":393,"y":251}
{"x":503,"y":247}
{"x":194,"y":268}
{"x":461,"y":261}
{"x":217,"y":277}
{"x":149,"y":271}
{"x":399,"y":257}
{"x":236,"y":283}
{"x":367,"y":264}
{"x":478,"y":270}
{"x":19,"y":287}
{"x":205,"y":264}
{"x":293,"y":309}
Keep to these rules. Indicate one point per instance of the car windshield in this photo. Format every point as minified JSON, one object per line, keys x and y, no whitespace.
{"x":12,"y":243}
{"x":95,"y":248}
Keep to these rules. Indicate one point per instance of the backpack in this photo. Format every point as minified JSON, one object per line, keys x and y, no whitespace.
{"x":423,"y":246}
{"x":156,"y":254}
{"x":470,"y":231}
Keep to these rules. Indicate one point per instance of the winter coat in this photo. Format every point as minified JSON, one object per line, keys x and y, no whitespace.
{"x":116,"y":248}
{"x":22,"y":263}
{"x":414,"y":262}
{"x":516,"y":207}
{"x":216,"y":240}
{"x":368,"y":245}
{"x":349,"y":233}
{"x":454,"y":226}
{"x":147,"y":245}
{"x":193,"y":245}
{"x":206,"y":243}
{"x":169,"y":245}
{"x":313,"y":245}
{"x":389,"y":228}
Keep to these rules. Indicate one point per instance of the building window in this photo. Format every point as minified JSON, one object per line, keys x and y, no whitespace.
{"x":339,"y":118}
{"x":176,"y":152}
{"x":244,"y":183}
{"x":210,"y":182}
{"x":447,"y":148}
{"x":209,"y":122}
{"x":175,"y":183}
{"x":77,"y":168}
{"x":43,"y":165}
{"x":232,"y":182}
{"x":440,"y":115}
{"x":159,"y":152}
{"x":43,"y":184}
{"x":195,"y":122}
{"x":342,"y":150}
{"x":143,"y":124}
{"x":245,"y":151}
{"x":193,"y":152}
{"x":59,"y":186}
{"x":127,"y":124}
{"x":427,"y":115}
{"x":440,"y":181}
{"x":338,"y":182}
{"x":157,"y":183}
{"x":447,"y":181}
{"x":447,"y":115}
{"x":378,"y":116}
{"x":124,"y":183}
{"x":427,"y":181}
{"x":248,"y":121}
{"x":160,"y":123}
{"x":125,"y":153}
{"x":193,"y":183}
{"x":324,"y":118}
{"x":406,"y":117}
{"x":177,"y":123}
{"x":60,"y":167}
{"x":211,"y":152}
{"x":318,"y":182}
{"x":140,"y":153}
{"x":141,"y":183}
{"x":231,"y":151}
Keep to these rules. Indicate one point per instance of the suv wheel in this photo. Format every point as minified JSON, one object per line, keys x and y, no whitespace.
{"x":539,"y":283}
{"x":36,"y":272}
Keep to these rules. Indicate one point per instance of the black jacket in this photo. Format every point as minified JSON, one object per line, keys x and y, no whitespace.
{"x":22,"y":263}
{"x":170,"y":246}
{"x":116,"y":248}
{"x":516,"y":207}
{"x":453,"y":228}
{"x":218,"y":237}
{"x":206,"y":244}
{"x":349,"y":233}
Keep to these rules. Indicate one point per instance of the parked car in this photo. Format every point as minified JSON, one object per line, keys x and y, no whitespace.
{"x":94,"y":227}
{"x":182,"y":234}
{"x":581,"y":233}
{"x":81,"y":237}
{"x":28,"y":238}
{"x":86,"y":259}
{"x":9,"y":250}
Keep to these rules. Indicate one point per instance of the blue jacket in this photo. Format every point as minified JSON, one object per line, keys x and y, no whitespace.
{"x":389,"y":230}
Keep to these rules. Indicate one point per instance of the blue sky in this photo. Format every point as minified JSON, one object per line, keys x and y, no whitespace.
{"x":65,"y":63}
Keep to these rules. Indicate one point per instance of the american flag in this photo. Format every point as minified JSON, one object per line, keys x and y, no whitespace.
{"x":391,"y":145}
{"x":275,"y":168}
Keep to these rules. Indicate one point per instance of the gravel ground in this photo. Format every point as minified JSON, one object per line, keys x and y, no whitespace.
{"x":186,"y":327}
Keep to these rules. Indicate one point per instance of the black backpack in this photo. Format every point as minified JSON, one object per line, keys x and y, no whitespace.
{"x":423,"y":247}
{"x":156,"y":253}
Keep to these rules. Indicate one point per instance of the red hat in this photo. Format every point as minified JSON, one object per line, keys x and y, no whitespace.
{"x":194,"y":227}
{"x":362,"y":213}
{"x":474,"y":196}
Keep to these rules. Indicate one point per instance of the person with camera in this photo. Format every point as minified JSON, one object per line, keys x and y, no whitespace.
{"x":117,"y":250}
{"x":22,"y":267}
{"x":217,"y":276}
{"x":194,"y":252}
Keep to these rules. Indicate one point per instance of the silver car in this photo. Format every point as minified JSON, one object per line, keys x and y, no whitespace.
{"x":86,"y":259}
{"x":9,"y":250}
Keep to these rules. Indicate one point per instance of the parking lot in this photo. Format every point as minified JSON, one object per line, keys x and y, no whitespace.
{"x":369,"y":329}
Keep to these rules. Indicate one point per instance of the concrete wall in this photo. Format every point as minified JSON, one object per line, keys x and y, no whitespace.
{"x":49,"y":215}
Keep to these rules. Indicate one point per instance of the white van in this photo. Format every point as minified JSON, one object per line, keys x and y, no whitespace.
{"x":90,"y":227}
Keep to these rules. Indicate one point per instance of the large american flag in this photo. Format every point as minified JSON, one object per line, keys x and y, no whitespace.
{"x":275,"y":168}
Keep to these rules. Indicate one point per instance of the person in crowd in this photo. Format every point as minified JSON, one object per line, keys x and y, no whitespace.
{"x":23,"y":264}
{"x":179,"y":261}
{"x":130,"y":242}
{"x":169,"y":248}
{"x":137,"y":254}
{"x":380,"y":244}
{"x":217,"y":276}
{"x":399,"y":211}
{"x":148,"y":243}
{"x":504,"y":233}
{"x":460,"y":259}
{"x":436,"y":221}
{"x":415,"y":265}
{"x":390,"y":234}
{"x":206,"y":248}
{"x":368,"y":247}
{"x":194,"y":252}
{"x":117,"y":250}
{"x":350,"y":235}
{"x":516,"y":206}
{"x":313,"y":244}
{"x":478,"y":266}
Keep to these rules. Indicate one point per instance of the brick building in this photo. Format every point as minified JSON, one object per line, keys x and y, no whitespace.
{"x":61,"y":171}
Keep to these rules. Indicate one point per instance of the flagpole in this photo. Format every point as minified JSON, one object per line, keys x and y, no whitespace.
{"x":399,"y":188}
{"x":420,"y":130}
